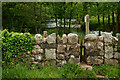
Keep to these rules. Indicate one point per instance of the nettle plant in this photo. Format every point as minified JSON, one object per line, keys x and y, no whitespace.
{"x":13,"y":44}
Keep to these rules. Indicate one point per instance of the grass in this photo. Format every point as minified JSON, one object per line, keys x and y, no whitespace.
{"x":0,"y":72}
{"x":67,"y":71}
{"x":107,"y":70}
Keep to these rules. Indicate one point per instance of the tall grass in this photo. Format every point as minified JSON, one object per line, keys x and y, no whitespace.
{"x":66,"y":71}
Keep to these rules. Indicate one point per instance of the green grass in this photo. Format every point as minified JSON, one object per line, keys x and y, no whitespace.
{"x":107,"y":70}
{"x":0,"y":72}
{"x":67,"y":71}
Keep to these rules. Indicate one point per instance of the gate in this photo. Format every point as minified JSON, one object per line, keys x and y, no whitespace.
{"x":82,"y":50}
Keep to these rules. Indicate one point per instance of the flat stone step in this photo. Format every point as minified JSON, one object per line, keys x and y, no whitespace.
{"x":85,"y":66}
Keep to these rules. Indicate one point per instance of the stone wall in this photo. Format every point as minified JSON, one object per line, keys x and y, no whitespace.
{"x":55,"y":51}
{"x":102,"y":49}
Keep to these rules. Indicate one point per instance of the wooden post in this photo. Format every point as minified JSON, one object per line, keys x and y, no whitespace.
{"x":119,"y":40}
{"x":119,"y":46}
{"x":87,"y":23}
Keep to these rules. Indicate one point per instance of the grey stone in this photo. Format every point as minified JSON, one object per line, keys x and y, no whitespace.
{"x":92,"y":52}
{"x":90,"y":45}
{"x":76,"y":48}
{"x":37,"y":47}
{"x":35,"y":62}
{"x":61,"y":48}
{"x":67,"y":58}
{"x":51,"y":38}
{"x":45,"y":34}
{"x":116,"y":55}
{"x":100,"y":45}
{"x":32,"y":59}
{"x":99,"y":61}
{"x":67,"y":53}
{"x":101,"y":53}
{"x":72,"y":38}
{"x":64,"y":38}
{"x":107,"y":37}
{"x":50,"y":53}
{"x":53,"y":62}
{"x":38,"y":57}
{"x":94,"y":60}
{"x":38,"y":38}
{"x":108,"y":52}
{"x":77,"y":60}
{"x":115,"y":41}
{"x":100,"y":57}
{"x":91,"y":37}
{"x":44,"y":46}
{"x":37,"y":51}
{"x":28,"y":52}
{"x":101,"y":38}
{"x":72,"y":56}
{"x":76,"y":54}
{"x":60,"y":56}
{"x":59,"y":41}
{"x":117,"y":34}
{"x":68,"y":47}
{"x":71,"y":61}
{"x":111,"y":61}
{"x":63,"y":62}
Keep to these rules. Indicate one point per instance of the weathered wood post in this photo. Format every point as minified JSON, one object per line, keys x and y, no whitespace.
{"x":87,"y":23}
{"x":119,"y":40}
{"x":119,"y":46}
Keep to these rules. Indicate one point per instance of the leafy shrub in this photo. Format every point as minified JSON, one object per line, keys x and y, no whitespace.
{"x":15,"y":44}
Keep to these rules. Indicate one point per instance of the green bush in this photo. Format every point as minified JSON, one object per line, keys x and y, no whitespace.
{"x":15,"y":44}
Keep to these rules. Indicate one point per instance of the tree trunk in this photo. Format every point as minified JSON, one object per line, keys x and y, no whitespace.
{"x":77,"y":17}
{"x":21,"y":25}
{"x":40,"y":18}
{"x":35,"y":16}
{"x":64,"y":17}
{"x":117,"y":25}
{"x":98,"y":14}
{"x":113,"y":21}
{"x":108,"y":22}
{"x":56,"y":22}
{"x":70,"y":18}
{"x":45,"y":15}
{"x":98,"y":20}
{"x":69,"y":24}
{"x":104,"y":22}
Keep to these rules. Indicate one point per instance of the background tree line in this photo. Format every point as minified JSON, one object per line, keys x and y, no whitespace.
{"x":32,"y":17}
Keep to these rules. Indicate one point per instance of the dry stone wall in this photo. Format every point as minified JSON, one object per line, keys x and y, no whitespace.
{"x":102,"y":49}
{"x":55,"y":51}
